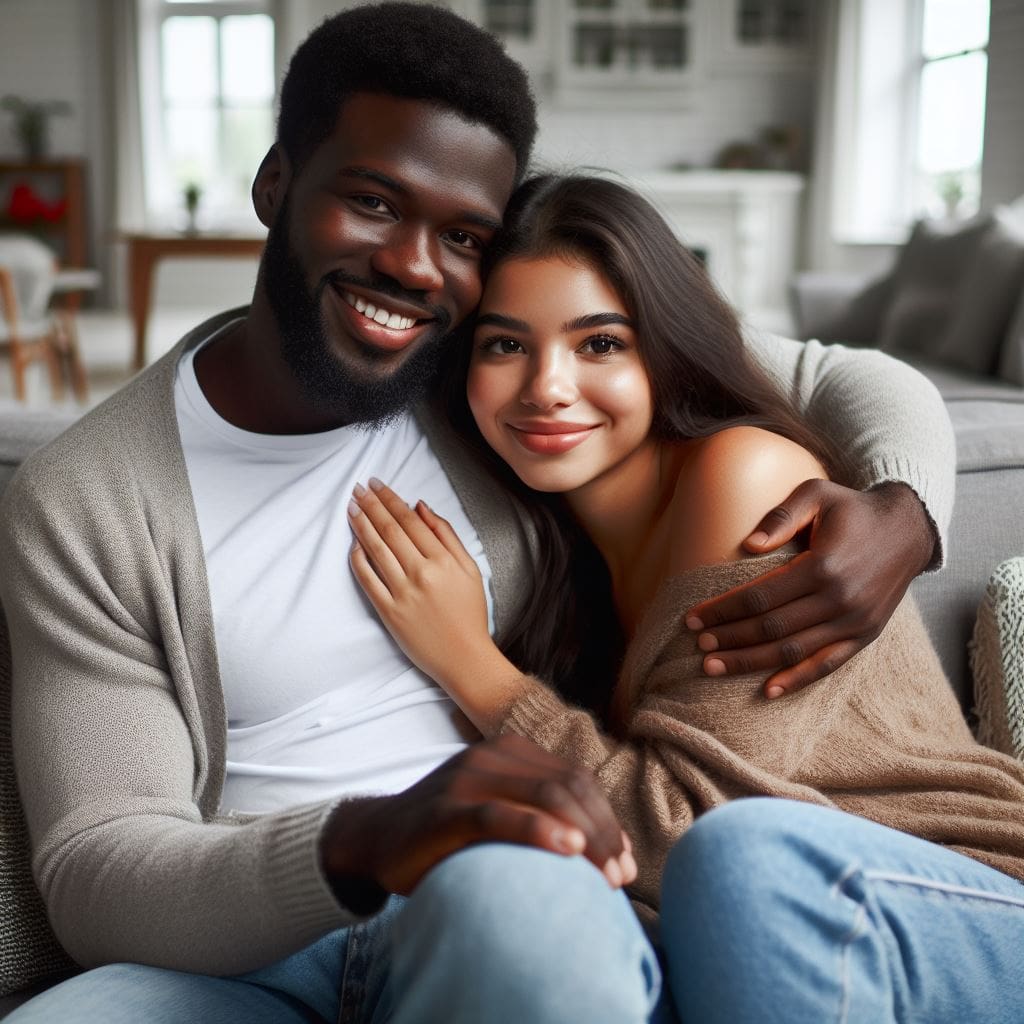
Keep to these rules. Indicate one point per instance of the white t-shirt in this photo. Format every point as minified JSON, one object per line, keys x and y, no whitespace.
{"x":320,"y":700}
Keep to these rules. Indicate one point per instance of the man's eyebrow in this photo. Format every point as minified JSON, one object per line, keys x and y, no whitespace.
{"x":581,"y":323}
{"x":500,"y":320}
{"x":369,"y":174}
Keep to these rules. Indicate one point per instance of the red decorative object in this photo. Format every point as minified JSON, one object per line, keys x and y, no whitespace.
{"x":26,"y":206}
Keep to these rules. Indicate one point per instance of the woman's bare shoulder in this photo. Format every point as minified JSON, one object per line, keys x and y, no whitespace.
{"x":727,"y":483}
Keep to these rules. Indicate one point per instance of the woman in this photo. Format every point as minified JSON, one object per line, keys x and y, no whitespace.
{"x":610,"y":381}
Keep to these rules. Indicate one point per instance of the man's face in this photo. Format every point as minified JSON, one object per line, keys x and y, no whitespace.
{"x":374,"y":254}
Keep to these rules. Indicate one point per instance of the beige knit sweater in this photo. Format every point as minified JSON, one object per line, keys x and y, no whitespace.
{"x":883,"y":737}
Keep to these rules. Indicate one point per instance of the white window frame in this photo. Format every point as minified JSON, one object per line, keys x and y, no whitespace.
{"x":880,"y":63}
{"x":160,"y":212}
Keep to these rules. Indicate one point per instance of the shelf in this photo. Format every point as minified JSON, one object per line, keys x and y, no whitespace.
{"x":53,"y":180}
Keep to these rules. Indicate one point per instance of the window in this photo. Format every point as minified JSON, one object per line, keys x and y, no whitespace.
{"x":208,"y":86}
{"x":910,"y":114}
{"x":951,"y":107}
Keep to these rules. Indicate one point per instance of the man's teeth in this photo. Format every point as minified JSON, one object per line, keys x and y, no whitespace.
{"x":378,"y":314}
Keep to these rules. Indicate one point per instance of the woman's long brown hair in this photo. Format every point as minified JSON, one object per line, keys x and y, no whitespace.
{"x":702,"y":380}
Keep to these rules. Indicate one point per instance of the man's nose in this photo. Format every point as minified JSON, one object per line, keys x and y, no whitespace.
{"x":412,"y":257}
{"x":550,"y":382}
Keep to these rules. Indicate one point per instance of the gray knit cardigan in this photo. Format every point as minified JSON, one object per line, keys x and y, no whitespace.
{"x":118,"y":720}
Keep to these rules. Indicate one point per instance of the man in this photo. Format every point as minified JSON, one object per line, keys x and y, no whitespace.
{"x":202,"y":700}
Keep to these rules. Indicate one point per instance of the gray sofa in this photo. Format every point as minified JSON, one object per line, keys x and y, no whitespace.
{"x":987,"y":528}
{"x":953,"y":307}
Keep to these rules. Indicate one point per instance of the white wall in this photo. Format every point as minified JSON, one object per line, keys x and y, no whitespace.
{"x":1002,"y":170}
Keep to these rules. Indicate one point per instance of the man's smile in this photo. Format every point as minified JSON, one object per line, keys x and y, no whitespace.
{"x":391,"y":327}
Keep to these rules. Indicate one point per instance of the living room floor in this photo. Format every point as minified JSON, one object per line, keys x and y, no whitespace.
{"x":105,"y":341}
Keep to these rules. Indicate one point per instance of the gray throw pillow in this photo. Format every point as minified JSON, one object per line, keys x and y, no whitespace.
{"x":925,"y":284}
{"x":985,"y":298}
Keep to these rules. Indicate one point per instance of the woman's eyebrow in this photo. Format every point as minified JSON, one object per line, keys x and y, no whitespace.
{"x":500,"y":320}
{"x":581,"y":323}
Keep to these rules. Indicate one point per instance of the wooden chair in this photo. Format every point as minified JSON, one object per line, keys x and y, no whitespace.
{"x":31,"y":330}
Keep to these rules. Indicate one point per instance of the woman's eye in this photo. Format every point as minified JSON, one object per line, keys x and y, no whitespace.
{"x":602,"y":345}
{"x":501,"y":346}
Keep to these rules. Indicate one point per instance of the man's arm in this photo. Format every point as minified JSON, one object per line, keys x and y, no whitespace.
{"x":114,"y":757}
{"x":868,"y":542}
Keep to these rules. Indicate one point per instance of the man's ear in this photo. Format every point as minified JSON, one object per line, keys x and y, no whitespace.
{"x":270,"y":184}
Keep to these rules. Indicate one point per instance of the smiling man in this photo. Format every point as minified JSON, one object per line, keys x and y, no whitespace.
{"x":243,"y":802}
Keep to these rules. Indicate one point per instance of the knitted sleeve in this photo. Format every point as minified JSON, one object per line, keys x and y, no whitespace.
{"x":886,"y":416}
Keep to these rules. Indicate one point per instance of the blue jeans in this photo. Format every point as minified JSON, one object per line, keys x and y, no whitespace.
{"x":771,"y":911}
{"x":495,"y":933}
{"x":781,"y":911}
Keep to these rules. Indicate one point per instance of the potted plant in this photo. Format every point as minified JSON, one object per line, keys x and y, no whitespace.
{"x":31,"y":123}
{"x":192,"y":193}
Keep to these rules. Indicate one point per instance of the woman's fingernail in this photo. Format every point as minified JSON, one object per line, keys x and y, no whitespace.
{"x":375,"y":484}
{"x":774,"y":691}
{"x":707,"y":642}
{"x":613,"y":872}
{"x":359,"y":490}
{"x":714,"y":667}
{"x":354,"y":510}
{"x":759,"y":538}
{"x":568,"y":841}
{"x":629,"y":869}
{"x":692,"y":622}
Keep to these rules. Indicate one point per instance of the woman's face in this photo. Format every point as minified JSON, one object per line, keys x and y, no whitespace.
{"x":556,"y":383}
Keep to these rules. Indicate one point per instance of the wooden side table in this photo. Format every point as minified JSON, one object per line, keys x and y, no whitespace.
{"x":145,"y":250}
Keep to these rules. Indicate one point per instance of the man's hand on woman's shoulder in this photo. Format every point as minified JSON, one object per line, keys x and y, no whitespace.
{"x":805,"y":619}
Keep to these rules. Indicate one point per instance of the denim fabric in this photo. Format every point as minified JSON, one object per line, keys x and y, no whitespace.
{"x":788,"y":912}
{"x":496,"y":933}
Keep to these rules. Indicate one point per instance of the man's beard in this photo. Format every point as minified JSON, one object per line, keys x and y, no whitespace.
{"x":342,"y":387}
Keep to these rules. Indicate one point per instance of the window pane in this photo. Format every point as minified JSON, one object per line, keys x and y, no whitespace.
{"x":248,"y":134}
{"x":189,"y":53}
{"x":952,"y":113}
{"x":247,"y":48}
{"x":191,"y":144}
{"x":952,"y":26}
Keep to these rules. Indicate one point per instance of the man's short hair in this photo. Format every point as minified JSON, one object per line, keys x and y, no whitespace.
{"x":409,"y":50}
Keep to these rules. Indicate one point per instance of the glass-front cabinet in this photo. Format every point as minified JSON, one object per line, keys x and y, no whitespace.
{"x":609,"y":50}
{"x":627,"y":42}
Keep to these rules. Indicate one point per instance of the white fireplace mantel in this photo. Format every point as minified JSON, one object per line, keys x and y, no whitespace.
{"x":745,"y":224}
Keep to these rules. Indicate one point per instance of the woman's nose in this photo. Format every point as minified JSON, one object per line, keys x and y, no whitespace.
{"x":550,"y":383}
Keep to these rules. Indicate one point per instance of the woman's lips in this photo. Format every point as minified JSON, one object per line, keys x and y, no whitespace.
{"x":551,"y":438}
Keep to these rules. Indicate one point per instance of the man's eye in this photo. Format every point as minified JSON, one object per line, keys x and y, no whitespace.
{"x":374,"y":203}
{"x":463,"y":239}
{"x":602,"y":345}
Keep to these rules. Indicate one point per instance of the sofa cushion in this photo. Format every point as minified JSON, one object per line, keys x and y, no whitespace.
{"x":1011,"y":357}
{"x":925,"y":283}
{"x":985,"y":298}
{"x":997,"y":660}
